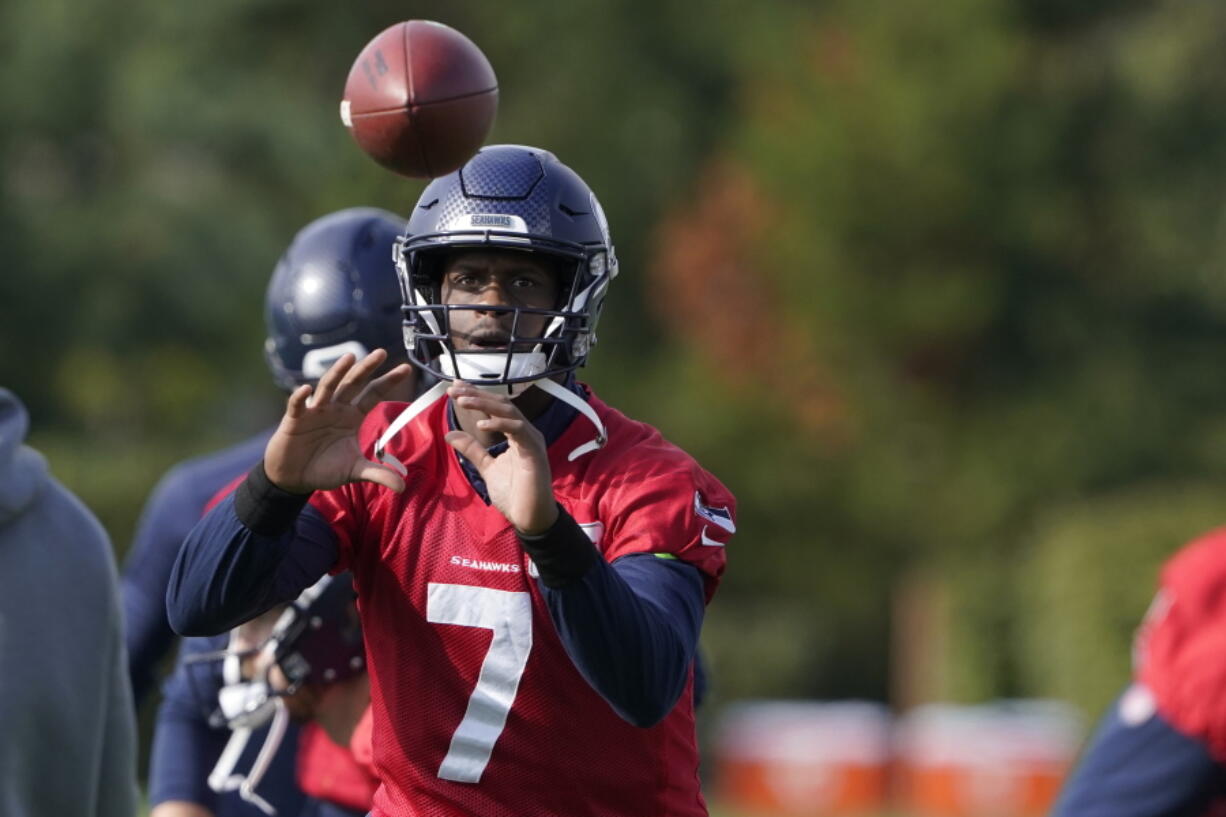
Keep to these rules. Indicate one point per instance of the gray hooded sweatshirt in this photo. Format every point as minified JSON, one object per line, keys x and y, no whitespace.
{"x":67,"y":732}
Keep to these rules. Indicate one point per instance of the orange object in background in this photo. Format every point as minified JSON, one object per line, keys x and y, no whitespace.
{"x":804,"y":758}
{"x":998,"y":760}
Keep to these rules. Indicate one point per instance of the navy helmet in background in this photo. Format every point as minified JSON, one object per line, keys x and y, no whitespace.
{"x":315,"y":640}
{"x":334,"y":291}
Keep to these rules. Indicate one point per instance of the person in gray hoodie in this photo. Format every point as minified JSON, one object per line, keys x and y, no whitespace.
{"x":67,"y":732}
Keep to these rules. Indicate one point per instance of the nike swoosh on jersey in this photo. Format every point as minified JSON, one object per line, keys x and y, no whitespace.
{"x":707,"y":540}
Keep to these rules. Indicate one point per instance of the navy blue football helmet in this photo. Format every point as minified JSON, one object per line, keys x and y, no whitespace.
{"x":516,"y":198}
{"x":333,"y":291}
{"x":317,"y":639}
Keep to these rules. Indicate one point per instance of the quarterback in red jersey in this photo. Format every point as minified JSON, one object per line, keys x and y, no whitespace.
{"x":532,"y":566}
{"x":1161,"y":749}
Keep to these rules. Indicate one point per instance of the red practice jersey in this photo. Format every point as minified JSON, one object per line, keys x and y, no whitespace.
{"x":478,"y":710}
{"x":1180,"y":651}
{"x":334,"y":773}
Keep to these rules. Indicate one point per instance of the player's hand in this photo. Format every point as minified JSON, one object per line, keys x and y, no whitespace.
{"x":316,"y":445}
{"x":519,"y":481}
{"x":179,"y":808}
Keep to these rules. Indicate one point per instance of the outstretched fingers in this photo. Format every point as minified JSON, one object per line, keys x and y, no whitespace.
{"x":510,"y":427}
{"x":468,"y":448}
{"x":331,"y":378}
{"x":354,"y":381}
{"x":298,"y":401}
{"x":495,"y":405}
{"x":382,"y":387}
{"x":502,"y":416}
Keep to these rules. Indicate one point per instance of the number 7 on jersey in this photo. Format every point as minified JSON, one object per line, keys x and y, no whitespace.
{"x":509,"y":615}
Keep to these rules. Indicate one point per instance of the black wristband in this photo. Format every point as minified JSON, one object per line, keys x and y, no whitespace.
{"x":562,"y":554}
{"x":265,"y":508}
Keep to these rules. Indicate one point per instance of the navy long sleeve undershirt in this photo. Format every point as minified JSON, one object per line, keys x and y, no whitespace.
{"x":227,"y":573}
{"x":172,"y":508}
{"x":1146,"y":769}
{"x":631,"y":627}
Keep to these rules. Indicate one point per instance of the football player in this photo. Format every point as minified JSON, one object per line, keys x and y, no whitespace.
{"x":532,"y":566}
{"x":334,"y":290}
{"x":302,"y":663}
{"x":1160,"y":751}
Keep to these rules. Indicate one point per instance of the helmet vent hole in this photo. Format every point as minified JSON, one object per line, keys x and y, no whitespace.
{"x":570,"y":212}
{"x":428,"y":206}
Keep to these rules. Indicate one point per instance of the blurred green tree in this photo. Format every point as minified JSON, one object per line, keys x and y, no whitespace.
{"x":960,"y":265}
{"x":936,"y":289}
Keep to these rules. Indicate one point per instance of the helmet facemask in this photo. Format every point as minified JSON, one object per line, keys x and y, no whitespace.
{"x":522,"y":358}
{"x":514,"y":198}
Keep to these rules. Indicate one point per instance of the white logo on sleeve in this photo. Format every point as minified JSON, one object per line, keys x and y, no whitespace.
{"x":721,"y":517}
{"x":707,"y":540}
{"x":1137,"y":705}
{"x":594,"y":531}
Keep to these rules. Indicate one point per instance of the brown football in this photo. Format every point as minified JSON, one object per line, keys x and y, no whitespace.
{"x":420,"y":98}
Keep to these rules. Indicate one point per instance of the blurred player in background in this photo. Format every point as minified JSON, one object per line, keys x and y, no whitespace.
{"x":300,"y":665}
{"x":1160,"y":751}
{"x":333,"y":291}
{"x":67,"y":732}
{"x":532,"y":567}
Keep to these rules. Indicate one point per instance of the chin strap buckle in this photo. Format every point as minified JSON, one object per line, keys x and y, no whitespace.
{"x":583,"y":407}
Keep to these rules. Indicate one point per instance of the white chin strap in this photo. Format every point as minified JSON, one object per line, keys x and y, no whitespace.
{"x":439,"y":389}
{"x":583,"y":407}
{"x":403,"y":419}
